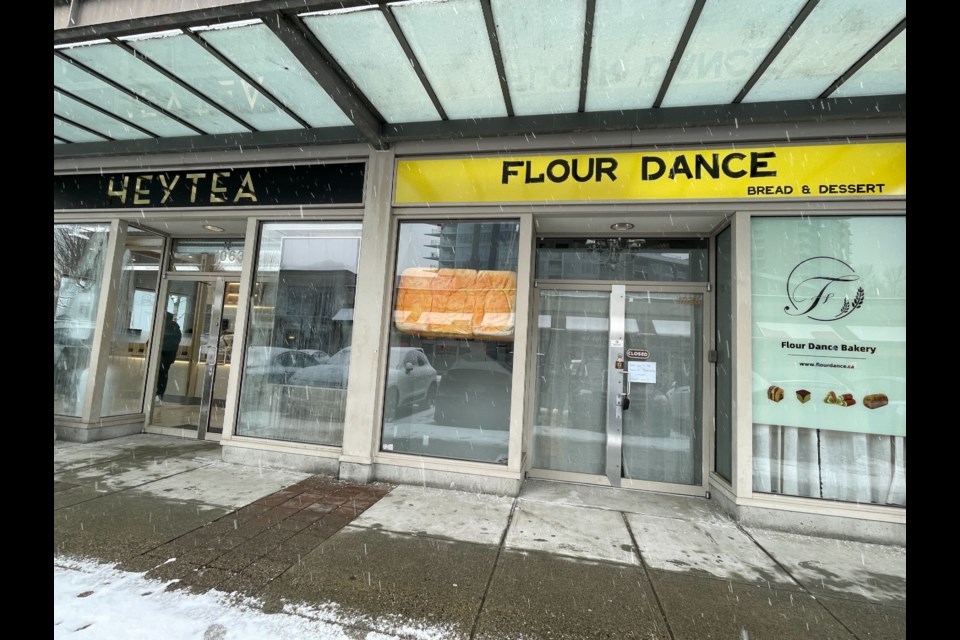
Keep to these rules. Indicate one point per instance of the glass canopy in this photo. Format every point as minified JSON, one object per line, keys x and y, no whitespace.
{"x":382,"y":69}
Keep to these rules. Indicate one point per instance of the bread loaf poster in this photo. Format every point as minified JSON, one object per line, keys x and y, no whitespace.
{"x":829,"y":323}
{"x":456,"y":303}
{"x":457,"y":281}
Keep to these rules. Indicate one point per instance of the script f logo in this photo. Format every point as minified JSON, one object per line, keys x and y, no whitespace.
{"x":821,"y":289}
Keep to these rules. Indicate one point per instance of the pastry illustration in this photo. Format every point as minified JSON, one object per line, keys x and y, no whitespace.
{"x":775,"y":393}
{"x":875,"y":400}
{"x":843,"y":400}
{"x":803,"y":395}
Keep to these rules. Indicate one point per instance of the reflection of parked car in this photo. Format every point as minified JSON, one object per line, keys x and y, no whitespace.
{"x":672,"y":409}
{"x":322,"y":356}
{"x":277,"y":364}
{"x":410,"y":377}
{"x":330,"y":374}
{"x":475,"y":393}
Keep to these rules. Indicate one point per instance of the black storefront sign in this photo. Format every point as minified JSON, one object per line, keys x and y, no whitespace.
{"x":340,"y":183}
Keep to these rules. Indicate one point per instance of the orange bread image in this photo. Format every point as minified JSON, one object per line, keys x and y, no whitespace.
{"x":494,"y":312}
{"x":452,"y":296}
{"x":414,"y":300}
{"x":456,"y":303}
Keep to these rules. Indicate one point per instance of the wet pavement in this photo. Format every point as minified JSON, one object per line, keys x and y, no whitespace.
{"x":560,"y":561}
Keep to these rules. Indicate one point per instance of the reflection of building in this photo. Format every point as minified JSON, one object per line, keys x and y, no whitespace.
{"x":817,"y":238}
{"x":477,"y":246}
{"x":314,"y":310}
{"x":620,"y":259}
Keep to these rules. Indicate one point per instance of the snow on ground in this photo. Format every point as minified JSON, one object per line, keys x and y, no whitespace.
{"x":97,"y":602}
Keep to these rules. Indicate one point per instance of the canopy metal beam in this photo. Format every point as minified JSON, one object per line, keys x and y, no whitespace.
{"x":215,"y":11}
{"x":678,"y":53}
{"x":217,"y":142}
{"x":294,"y":36}
{"x":777,"y":48}
{"x":874,"y":50}
{"x":785,"y":113}
{"x":131,"y":94}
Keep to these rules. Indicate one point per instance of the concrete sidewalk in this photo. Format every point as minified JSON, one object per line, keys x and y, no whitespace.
{"x":559,"y":561}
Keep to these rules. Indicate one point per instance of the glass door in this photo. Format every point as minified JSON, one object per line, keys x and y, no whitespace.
{"x":619,"y":386}
{"x":194,"y":355}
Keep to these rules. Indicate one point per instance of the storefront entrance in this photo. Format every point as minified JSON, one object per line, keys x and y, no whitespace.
{"x":193,"y":361}
{"x":619,"y":388}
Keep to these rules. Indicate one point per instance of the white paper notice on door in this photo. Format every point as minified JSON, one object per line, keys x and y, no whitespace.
{"x":642,"y":371}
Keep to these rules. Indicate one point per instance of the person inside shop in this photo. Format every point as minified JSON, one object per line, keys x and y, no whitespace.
{"x":168,"y":353}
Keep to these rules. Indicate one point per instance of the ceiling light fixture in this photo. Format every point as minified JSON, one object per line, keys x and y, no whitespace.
{"x":210,"y":227}
{"x":621,"y":226}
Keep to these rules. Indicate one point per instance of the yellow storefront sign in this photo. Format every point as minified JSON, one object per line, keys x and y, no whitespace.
{"x":798,"y":172}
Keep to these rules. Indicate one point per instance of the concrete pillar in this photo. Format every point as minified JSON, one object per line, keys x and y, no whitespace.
{"x":361,"y":430}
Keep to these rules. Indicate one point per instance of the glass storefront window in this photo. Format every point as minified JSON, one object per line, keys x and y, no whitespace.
{"x":450,"y":367}
{"x":571,"y":417}
{"x":79,"y":251}
{"x":723,"y":462}
{"x":299,"y":332}
{"x":630,"y":259}
{"x":136,"y":300}
{"x":829,"y":357}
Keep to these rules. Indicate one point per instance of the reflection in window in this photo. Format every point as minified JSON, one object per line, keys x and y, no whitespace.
{"x":136,"y":296}
{"x":78,"y":260}
{"x":724,"y":369}
{"x":297,"y":355}
{"x":450,"y":367}
{"x":571,"y":401}
{"x":637,"y":259}
{"x":661,"y":432}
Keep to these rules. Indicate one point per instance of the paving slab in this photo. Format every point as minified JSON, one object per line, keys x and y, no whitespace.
{"x":721,"y":551}
{"x":455,"y":515}
{"x":703,"y":608}
{"x":222,"y":484}
{"x":535,"y":595}
{"x":74,"y":455}
{"x":121,"y":525}
{"x":871,"y":621}
{"x":578,"y":532}
{"x":427,"y":563}
{"x":388,"y":582}
{"x":68,"y":494}
{"x":841,"y":568}
{"x":625,"y":500}
{"x":119,"y":473}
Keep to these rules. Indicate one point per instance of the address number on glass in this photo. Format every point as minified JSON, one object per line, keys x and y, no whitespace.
{"x":230,"y":255}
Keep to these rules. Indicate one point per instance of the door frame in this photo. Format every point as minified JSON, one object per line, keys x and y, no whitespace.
{"x":219,"y":281}
{"x":706,"y":384}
